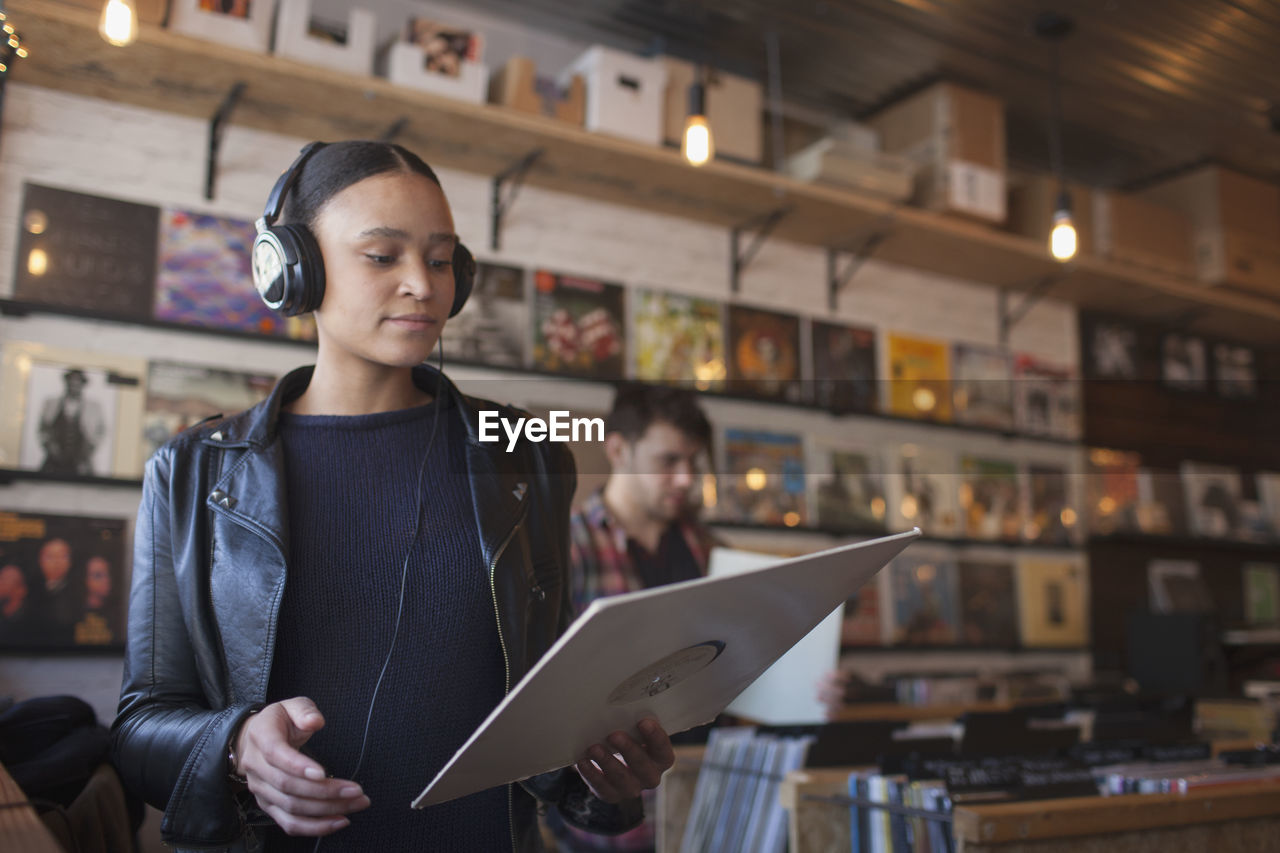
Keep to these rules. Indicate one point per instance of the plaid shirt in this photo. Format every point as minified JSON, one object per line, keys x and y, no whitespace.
{"x":600,"y":565}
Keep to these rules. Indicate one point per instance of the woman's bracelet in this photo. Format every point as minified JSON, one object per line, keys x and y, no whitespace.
{"x":232,"y":761}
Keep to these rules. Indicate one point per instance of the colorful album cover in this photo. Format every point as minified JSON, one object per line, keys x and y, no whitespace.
{"x":981,"y":386}
{"x":182,"y":395}
{"x":1052,"y":603}
{"x":230,"y":8}
{"x":578,"y":326}
{"x":764,"y":480}
{"x":1162,"y":506}
{"x":493,"y":326}
{"x":86,"y":253}
{"x":928,"y":490}
{"x":847,"y":487}
{"x":1046,"y":398}
{"x":1184,"y":362}
{"x":862,"y":624}
{"x":1111,"y":491}
{"x":1261,"y":593}
{"x":204,"y":278}
{"x":1213,"y":499}
{"x":919,"y":378}
{"x":988,"y":610}
{"x":1234,"y":371}
{"x":764,"y":353}
{"x":1175,"y":586}
{"x":924,"y":601}
{"x":62,"y":581}
{"x":844,"y":368}
{"x":1111,"y":349}
{"x":988,"y":498}
{"x":446,"y":47}
{"x":71,"y":413}
{"x":1051,"y":517}
{"x":678,"y":338}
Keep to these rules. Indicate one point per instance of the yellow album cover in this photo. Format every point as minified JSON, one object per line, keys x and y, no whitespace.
{"x":919,"y":378}
{"x":1052,"y":602}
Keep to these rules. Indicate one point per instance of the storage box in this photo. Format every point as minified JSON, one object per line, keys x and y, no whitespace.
{"x":624,"y":93}
{"x":1033,"y":199}
{"x":734,"y":110}
{"x":1213,"y":198}
{"x":149,"y":11}
{"x":828,"y":161}
{"x":350,"y":50}
{"x":426,"y":53}
{"x":1135,"y":231}
{"x":957,"y":137}
{"x":247,"y":26}
{"x":517,"y":86}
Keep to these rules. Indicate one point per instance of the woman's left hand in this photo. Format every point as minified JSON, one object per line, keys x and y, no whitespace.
{"x":641,"y":766}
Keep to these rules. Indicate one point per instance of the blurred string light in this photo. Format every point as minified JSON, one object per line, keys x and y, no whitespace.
{"x":11,"y":48}
{"x":119,"y":22}
{"x":697,"y":146}
{"x":1063,"y":240}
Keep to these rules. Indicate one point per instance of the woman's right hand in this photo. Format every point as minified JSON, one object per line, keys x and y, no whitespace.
{"x":290,"y":787}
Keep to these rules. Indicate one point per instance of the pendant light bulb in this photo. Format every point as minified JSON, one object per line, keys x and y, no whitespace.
{"x":119,"y":22}
{"x":697,"y":145}
{"x":1063,"y":242}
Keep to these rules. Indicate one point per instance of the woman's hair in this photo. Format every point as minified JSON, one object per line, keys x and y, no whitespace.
{"x":338,"y":165}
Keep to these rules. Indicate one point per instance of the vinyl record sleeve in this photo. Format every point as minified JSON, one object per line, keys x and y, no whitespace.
{"x":680,"y":653}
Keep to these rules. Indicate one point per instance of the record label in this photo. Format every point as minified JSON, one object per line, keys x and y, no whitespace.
{"x":666,"y":673}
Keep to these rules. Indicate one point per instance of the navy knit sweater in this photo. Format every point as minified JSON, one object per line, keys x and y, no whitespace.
{"x":352,"y":481}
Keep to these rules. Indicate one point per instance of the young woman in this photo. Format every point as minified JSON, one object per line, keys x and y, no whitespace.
{"x":333,"y":589}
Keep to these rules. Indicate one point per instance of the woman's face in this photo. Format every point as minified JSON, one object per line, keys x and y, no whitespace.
{"x":387,"y":243}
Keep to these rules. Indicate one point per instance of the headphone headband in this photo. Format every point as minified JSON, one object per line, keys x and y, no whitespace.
{"x":275,"y":201}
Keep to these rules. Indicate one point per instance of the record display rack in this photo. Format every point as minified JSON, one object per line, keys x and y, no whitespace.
{"x":186,"y":76}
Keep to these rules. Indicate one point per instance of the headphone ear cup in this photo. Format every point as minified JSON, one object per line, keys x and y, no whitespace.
{"x":311,"y":277}
{"x":288,"y":269}
{"x":464,"y":277}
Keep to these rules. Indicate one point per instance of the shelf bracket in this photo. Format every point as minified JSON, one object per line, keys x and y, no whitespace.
{"x":763,"y":226}
{"x":394,"y":129}
{"x":864,"y":245}
{"x":216,"y":126}
{"x":499,"y":206}
{"x":1011,"y":317}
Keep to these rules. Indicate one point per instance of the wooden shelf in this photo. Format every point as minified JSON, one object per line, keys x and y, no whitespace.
{"x":174,"y":73}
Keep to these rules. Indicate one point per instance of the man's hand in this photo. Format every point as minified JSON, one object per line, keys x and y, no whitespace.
{"x":832,"y":689}
{"x":641,"y":765}
{"x":289,"y":786}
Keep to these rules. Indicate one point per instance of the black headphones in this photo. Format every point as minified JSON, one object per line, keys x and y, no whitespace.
{"x":288,"y":270}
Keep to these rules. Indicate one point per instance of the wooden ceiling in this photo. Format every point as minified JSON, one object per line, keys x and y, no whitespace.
{"x":1148,"y":86}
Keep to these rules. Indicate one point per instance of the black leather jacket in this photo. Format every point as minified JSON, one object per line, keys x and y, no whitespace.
{"x":209,"y":571}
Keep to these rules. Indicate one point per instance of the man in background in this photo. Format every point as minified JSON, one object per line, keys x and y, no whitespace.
{"x":71,"y":427}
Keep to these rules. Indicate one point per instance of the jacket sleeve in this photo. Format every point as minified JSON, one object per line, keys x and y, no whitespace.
{"x":566,"y":789}
{"x":168,"y":745}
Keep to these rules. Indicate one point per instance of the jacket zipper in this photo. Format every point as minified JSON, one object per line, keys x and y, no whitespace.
{"x":506,"y":659}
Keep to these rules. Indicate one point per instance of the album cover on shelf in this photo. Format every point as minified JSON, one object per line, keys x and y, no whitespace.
{"x":1111,"y":349}
{"x":1261,"y":593}
{"x":70,"y":412}
{"x":1235,"y":373}
{"x":844,"y":368}
{"x":678,"y":338}
{"x":182,"y":395}
{"x":764,"y":480}
{"x":1213,"y":499}
{"x":919,"y":378}
{"x":862,"y":624}
{"x":204,"y":278}
{"x":62,"y":582}
{"x":492,"y":327}
{"x":1175,"y":586}
{"x":1268,"y":486}
{"x":847,"y":486}
{"x":924,"y":608}
{"x":988,"y":498}
{"x":764,"y":353}
{"x":446,"y":47}
{"x":86,"y":253}
{"x":1184,"y":362}
{"x":1046,"y":398}
{"x":578,"y":326}
{"x":988,"y":610}
{"x":1111,"y":490}
{"x":230,"y":8}
{"x":928,"y":490}
{"x":1162,"y":506}
{"x":1052,"y":602}
{"x":1051,"y":514}
{"x":981,"y":386}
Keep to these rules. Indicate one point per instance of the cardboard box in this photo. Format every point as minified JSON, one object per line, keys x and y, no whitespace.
{"x":829,"y":161}
{"x":1240,"y":260}
{"x":1213,"y":198}
{"x":734,"y":110}
{"x":251,"y":32}
{"x":1133,"y":230}
{"x":1033,"y":199}
{"x":517,"y":86}
{"x":149,"y":11}
{"x":957,"y":136}
{"x":625,"y":93}
{"x":405,"y":64}
{"x":353,"y":54}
